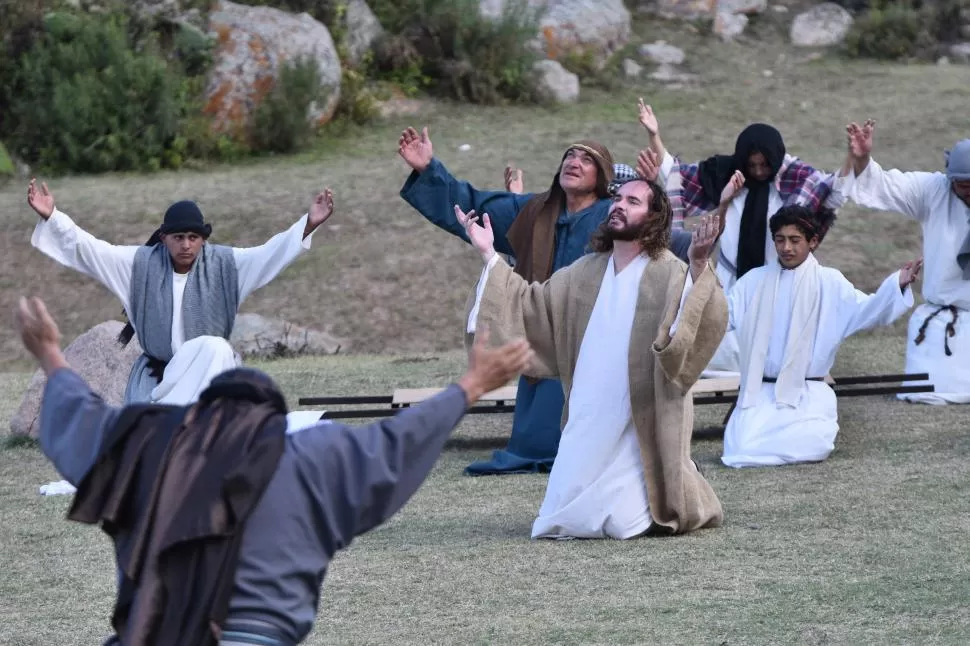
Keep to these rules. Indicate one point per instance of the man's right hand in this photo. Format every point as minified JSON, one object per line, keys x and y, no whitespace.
{"x":513,"y":180}
{"x":481,"y":237}
{"x":40,"y":199}
{"x":415,"y":148}
{"x":491,"y":368}
{"x":860,"y":143}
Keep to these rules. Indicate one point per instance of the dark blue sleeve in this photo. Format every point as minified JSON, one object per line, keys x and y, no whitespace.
{"x":680,"y":243}
{"x":74,"y":422}
{"x":435,"y":192}
{"x":359,"y":477}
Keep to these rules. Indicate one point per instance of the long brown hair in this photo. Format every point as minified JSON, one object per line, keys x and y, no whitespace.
{"x":655,"y":236}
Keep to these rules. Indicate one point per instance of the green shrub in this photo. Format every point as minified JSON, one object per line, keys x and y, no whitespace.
{"x":893,"y":29}
{"x":891,"y":32}
{"x":83,"y":99}
{"x":466,"y":56}
{"x":280,"y":122}
{"x":6,"y":164}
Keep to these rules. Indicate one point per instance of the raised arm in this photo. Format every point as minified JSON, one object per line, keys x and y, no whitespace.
{"x":433,"y":192}
{"x":58,"y":237}
{"x":360,"y":477}
{"x":74,"y":421}
{"x":690,"y":335}
{"x":257,"y":266}
{"x":860,"y":311}
{"x":886,"y":190}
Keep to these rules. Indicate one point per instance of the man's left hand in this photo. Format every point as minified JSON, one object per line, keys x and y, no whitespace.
{"x":701,"y":244}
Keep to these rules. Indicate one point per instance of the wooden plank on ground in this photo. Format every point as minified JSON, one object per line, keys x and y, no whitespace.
{"x":405,"y":396}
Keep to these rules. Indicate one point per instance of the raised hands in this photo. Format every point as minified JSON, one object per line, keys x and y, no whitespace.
{"x":513,"y":180}
{"x":39,"y":333}
{"x":648,"y":165}
{"x":481,"y":237}
{"x":860,"y":138}
{"x":415,"y":148}
{"x":40,"y":199}
{"x":491,"y":368}
{"x":910,"y":272}
{"x":647,"y":118}
{"x":732,"y":188}
{"x":321,"y":208}
{"x":702,"y":242}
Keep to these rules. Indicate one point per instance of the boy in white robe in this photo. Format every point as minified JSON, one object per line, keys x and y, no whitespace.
{"x":190,"y":361}
{"x":746,"y":188}
{"x":791,"y":316}
{"x":938,"y":340}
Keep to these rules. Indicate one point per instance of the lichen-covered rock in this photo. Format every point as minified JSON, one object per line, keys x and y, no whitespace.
{"x":662,"y":53}
{"x":729,"y":25}
{"x":576,"y":27}
{"x":252,"y":44}
{"x":97,"y":356}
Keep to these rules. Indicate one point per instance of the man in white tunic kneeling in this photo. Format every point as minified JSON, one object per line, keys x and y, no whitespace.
{"x":628,"y":330}
{"x":791,"y":316}
{"x":180,"y":292}
{"x":939,"y":329}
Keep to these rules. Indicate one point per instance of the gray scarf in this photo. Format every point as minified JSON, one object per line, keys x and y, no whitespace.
{"x":209,"y":306}
{"x":958,"y":170}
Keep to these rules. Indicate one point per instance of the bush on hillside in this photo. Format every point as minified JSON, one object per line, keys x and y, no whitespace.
{"x":897,"y":29}
{"x":462,"y":54}
{"x":84,"y":100}
{"x":280,"y":122}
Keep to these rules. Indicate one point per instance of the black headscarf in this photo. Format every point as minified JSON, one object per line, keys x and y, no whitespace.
{"x":716,"y":171}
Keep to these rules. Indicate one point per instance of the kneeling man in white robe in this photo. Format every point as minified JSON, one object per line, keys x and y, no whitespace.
{"x":792,"y":315}
{"x":628,"y":330}
{"x":938,"y":342}
{"x":181,"y":293}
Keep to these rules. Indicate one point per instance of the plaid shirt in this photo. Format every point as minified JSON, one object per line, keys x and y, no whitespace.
{"x":796,"y":183}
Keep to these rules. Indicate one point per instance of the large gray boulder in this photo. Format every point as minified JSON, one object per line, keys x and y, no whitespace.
{"x":252,"y":44}
{"x":554,"y":83}
{"x":255,"y":336}
{"x":363,"y":29}
{"x":597,"y":28}
{"x":823,"y":25}
{"x":97,"y":356}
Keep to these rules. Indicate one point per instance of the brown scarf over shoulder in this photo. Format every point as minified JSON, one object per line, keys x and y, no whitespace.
{"x":173,"y":488}
{"x":532,"y":235}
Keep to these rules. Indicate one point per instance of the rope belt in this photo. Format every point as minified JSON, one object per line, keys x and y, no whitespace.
{"x":950,"y":327}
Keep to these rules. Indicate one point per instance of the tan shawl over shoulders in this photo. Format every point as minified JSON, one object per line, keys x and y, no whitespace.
{"x":553,"y":316}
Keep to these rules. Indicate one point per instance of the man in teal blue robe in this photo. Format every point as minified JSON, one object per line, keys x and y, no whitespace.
{"x":543,"y":232}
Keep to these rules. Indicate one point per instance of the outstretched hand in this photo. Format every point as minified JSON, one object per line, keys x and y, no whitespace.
{"x":482,"y":237}
{"x":702,"y":243}
{"x":415,"y":148}
{"x":733,"y":187}
{"x":513,"y":180}
{"x":648,"y":165}
{"x":39,"y":333}
{"x":40,"y":199}
{"x":910,"y":272}
{"x":491,"y":368}
{"x":860,"y":138}
{"x":321,"y":209}
{"x":647,"y":118}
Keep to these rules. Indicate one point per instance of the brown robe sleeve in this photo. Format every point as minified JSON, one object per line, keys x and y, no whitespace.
{"x":700,"y":329}
{"x":513,"y":308}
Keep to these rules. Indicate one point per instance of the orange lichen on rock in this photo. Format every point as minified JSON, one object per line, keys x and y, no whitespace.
{"x":216,"y":100}
{"x":549,"y":35}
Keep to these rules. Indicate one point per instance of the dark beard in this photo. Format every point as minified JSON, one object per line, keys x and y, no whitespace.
{"x":627,"y":234}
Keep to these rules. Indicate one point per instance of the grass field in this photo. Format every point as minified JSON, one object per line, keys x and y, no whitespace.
{"x":867,"y":548}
